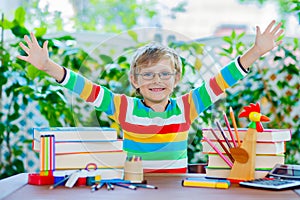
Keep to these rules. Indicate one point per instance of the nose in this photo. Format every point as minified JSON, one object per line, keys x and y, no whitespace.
{"x":156,"y":77}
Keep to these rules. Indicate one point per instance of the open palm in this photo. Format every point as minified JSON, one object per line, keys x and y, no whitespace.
{"x":36,"y":55}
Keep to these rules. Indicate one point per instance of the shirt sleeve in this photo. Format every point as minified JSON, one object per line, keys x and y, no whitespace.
{"x":99,"y":96}
{"x":210,"y":91}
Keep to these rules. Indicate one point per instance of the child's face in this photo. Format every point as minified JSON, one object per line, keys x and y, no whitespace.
{"x":156,"y":90}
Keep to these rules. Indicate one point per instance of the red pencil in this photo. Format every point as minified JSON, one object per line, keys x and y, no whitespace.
{"x":229,"y":129}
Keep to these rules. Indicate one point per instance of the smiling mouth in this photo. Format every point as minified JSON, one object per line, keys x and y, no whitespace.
{"x":156,"y":89}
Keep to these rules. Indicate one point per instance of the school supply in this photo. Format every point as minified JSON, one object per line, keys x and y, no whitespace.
{"x":208,"y":183}
{"x":282,"y":176}
{"x":271,"y":184}
{"x":101,"y":159}
{"x":133,"y":169}
{"x":83,"y":146}
{"x":71,"y":134}
{"x":47,"y":154}
{"x":263,"y":149}
{"x":262,"y":161}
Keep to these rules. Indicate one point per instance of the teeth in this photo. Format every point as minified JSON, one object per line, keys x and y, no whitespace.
{"x":156,"y":89}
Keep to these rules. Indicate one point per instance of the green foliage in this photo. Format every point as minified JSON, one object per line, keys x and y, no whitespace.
{"x":284,"y":6}
{"x":21,"y":84}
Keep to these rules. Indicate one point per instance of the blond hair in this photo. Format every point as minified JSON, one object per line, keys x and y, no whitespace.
{"x":151,"y":54}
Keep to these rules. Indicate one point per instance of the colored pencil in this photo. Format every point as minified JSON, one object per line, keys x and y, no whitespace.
{"x":234,"y":126}
{"x":222,"y":145}
{"x":223,"y":133}
{"x":229,"y":129}
{"x":228,"y":162}
{"x":42,"y":154}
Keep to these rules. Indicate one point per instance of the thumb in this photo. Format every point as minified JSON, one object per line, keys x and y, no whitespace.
{"x":258,"y":32}
{"x":45,"y":45}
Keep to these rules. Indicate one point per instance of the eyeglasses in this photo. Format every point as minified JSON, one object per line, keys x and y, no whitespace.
{"x":151,"y":75}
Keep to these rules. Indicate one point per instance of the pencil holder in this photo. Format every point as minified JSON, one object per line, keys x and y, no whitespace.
{"x":133,"y":170}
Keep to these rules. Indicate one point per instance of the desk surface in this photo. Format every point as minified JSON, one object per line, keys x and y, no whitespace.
{"x":169,"y":187}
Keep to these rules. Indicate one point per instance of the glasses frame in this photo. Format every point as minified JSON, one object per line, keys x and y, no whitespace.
{"x":153,"y":74}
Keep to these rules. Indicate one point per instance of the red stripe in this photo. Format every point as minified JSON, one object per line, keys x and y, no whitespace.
{"x":94,"y":93}
{"x":177,"y":170}
{"x":215,"y":87}
{"x":171,"y":128}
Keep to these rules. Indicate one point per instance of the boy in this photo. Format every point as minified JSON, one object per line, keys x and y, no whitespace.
{"x":155,"y":127}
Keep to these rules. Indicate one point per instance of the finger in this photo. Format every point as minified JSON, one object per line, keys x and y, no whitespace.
{"x":22,"y":57}
{"x":279,"y":33}
{"x":28,"y":41}
{"x":33,"y":38}
{"x":268,"y":29}
{"x":258,"y":32}
{"x":276,"y":28}
{"x":279,"y":43}
{"x":25,"y":48}
{"x":45,"y":45}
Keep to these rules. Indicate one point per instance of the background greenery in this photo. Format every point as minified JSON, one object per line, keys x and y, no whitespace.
{"x":21,"y":83}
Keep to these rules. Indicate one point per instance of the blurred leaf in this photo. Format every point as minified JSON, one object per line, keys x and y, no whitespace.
{"x":20,"y":16}
{"x":133,"y":35}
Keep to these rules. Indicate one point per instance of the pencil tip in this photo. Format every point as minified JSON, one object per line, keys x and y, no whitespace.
{"x":230,"y":109}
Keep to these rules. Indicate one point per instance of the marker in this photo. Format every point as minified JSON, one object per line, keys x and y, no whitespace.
{"x":211,"y":183}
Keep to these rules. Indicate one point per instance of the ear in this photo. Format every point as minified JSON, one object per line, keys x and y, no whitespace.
{"x":133,"y":81}
{"x":177,"y":79}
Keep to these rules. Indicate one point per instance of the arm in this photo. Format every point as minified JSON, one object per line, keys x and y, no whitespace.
{"x":100,"y":97}
{"x":39,"y":57}
{"x":264,"y":42}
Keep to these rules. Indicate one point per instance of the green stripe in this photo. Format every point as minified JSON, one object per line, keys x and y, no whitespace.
{"x":106,"y":99}
{"x":237,"y":75}
{"x":204,"y":96}
{"x":174,"y":155}
{"x":72,"y":80}
{"x":151,"y":114}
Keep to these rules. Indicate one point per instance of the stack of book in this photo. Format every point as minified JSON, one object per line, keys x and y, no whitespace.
{"x":270,"y":149}
{"x":77,"y":147}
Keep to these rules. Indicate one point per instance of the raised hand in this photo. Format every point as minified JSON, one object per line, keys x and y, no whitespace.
{"x":36,"y":55}
{"x":266,"y":41}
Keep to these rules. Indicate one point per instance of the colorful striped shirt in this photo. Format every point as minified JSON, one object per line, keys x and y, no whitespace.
{"x":160,"y":138}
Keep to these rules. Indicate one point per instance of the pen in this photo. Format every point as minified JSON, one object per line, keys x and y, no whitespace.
{"x":111,"y":186}
{"x":145,"y":186}
{"x":132,"y":187}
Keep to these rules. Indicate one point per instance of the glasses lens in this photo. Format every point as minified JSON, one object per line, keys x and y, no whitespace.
{"x":165,"y":75}
{"x":148,"y":75}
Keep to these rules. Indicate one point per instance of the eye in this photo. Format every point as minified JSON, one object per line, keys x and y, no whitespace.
{"x":165,"y":74}
{"x":148,"y":74}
